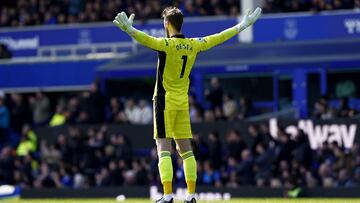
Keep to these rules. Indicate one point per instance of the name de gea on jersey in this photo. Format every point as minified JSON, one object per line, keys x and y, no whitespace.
{"x":343,"y":134}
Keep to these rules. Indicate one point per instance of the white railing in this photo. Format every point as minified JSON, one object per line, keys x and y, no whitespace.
{"x":77,"y":52}
{"x":85,"y":49}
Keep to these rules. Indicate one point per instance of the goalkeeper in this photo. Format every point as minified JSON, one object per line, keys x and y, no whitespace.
{"x":176,"y":57}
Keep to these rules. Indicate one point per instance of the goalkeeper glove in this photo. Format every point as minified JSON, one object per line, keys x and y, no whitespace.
{"x":125,"y":23}
{"x":248,"y":19}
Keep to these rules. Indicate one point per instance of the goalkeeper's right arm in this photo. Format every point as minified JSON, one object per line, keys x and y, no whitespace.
{"x":216,"y":39}
{"x":125,"y":24}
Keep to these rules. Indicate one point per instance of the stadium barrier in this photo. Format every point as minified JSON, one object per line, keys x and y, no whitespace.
{"x":29,"y":41}
{"x":343,"y":131}
{"x":205,"y":193}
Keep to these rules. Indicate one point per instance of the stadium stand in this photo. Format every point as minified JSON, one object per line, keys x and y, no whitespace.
{"x":92,"y":158}
{"x":39,"y":12}
{"x":273,"y":6}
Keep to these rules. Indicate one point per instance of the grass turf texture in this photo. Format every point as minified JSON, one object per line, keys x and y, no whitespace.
{"x":273,"y":200}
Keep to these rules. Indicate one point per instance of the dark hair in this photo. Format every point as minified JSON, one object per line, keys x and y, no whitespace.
{"x":174,"y":16}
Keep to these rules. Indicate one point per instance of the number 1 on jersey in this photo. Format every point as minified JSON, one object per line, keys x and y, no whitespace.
{"x":184,"y":58}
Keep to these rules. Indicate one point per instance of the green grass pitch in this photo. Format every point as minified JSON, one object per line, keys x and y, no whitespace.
{"x":273,"y":200}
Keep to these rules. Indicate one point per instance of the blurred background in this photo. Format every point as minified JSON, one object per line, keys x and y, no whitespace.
{"x":275,"y":108}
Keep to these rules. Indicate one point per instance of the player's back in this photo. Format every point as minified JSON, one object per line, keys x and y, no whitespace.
{"x":174,"y":67}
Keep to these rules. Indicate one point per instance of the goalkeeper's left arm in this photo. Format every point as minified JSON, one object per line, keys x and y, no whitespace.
{"x":210,"y":41}
{"x":125,"y":24}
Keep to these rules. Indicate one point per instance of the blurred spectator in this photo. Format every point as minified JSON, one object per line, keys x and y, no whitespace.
{"x":215,"y":94}
{"x":257,"y":137}
{"x":195,"y":110}
{"x":145,"y":112}
{"x":47,"y":178}
{"x":322,"y":111}
{"x":40,"y":106}
{"x":19,"y":112}
{"x":28,"y":142}
{"x":209,"y":116}
{"x":123,"y":149}
{"x":210,"y":176}
{"x":344,"y":179}
{"x":325,"y":173}
{"x":302,"y":151}
{"x":245,"y":168}
{"x":4,"y":118}
{"x":59,"y":118}
{"x":95,"y":104}
{"x":234,"y":144}
{"x":200,"y":147}
{"x":263,"y":162}
{"x":344,"y":108}
{"x":132,"y":112}
{"x":49,"y":153}
{"x":114,"y":110}
{"x":245,"y":108}
{"x":83,"y":116}
{"x":73,"y":108}
{"x":7,"y":165}
{"x":215,"y":150}
{"x":284,"y":146}
{"x":229,"y":107}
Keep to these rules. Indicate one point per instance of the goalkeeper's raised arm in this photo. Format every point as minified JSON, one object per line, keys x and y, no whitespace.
{"x":216,"y":39}
{"x":126,"y":24}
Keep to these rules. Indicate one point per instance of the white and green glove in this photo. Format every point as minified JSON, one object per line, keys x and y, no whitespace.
{"x":124,"y":23}
{"x":249,"y":19}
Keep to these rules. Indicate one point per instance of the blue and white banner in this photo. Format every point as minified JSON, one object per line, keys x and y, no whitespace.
{"x":26,"y":41}
{"x":9,"y":191}
{"x":271,"y":28}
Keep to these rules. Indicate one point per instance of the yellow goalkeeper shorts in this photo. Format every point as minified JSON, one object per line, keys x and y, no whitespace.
{"x":172,"y":124}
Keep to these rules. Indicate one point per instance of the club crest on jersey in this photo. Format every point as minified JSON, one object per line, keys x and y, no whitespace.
{"x":184,"y":47}
{"x":201,"y":39}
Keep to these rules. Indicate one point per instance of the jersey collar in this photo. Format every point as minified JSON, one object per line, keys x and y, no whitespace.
{"x":178,"y":36}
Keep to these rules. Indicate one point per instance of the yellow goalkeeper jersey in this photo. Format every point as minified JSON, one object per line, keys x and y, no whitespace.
{"x":176,"y":57}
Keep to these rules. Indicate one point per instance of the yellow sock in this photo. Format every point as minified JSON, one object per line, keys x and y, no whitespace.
{"x":167,"y":187}
{"x":166,"y":171}
{"x":191,"y":186}
{"x":190,"y":171}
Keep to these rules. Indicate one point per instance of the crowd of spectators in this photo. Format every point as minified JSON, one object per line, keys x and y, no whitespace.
{"x":94,"y":157}
{"x":274,"y":6}
{"x":39,"y":12}
{"x":83,"y":158}
{"x":326,"y":110}
{"x":92,"y":107}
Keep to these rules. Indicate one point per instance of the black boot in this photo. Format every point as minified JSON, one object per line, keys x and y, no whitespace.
{"x":193,"y":200}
